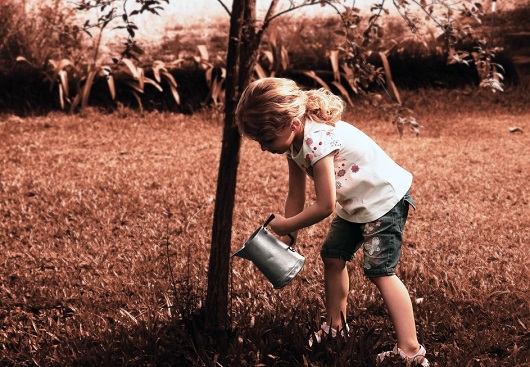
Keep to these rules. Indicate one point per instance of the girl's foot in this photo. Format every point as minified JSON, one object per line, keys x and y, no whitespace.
{"x":419,"y":358}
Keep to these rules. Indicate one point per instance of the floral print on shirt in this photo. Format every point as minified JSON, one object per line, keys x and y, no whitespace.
{"x":321,"y":143}
{"x":342,"y":169}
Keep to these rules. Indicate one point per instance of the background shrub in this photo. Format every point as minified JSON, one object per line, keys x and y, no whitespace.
{"x":416,"y":60}
{"x":38,"y":34}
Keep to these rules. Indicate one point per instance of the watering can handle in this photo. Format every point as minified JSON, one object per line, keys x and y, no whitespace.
{"x":270,"y":220}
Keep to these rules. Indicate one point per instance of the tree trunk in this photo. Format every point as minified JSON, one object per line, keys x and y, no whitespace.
{"x":241,"y":47}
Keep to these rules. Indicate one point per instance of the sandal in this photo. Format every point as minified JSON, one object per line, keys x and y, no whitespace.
{"x":418,"y":358}
{"x":324,"y":331}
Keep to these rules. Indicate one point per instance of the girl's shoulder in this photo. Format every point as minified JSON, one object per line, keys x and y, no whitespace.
{"x":311,"y":126}
{"x":340,"y":128}
{"x":343,"y":135}
{"x":347,"y":130}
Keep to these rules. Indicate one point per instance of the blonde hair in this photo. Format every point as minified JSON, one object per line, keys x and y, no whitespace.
{"x":269,"y":105}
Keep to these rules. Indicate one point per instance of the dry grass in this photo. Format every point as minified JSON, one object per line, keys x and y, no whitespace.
{"x":84,"y":203}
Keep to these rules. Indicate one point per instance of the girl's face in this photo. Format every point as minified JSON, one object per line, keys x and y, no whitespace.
{"x":280,"y":143}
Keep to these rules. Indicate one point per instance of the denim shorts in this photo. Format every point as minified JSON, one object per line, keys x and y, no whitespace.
{"x":381,"y":239}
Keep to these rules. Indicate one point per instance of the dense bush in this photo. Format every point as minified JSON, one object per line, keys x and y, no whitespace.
{"x":24,"y":91}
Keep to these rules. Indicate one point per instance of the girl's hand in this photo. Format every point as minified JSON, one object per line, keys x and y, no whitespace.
{"x":287,"y":240}
{"x":280,"y":225}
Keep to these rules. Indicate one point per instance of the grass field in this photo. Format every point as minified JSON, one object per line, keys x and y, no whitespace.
{"x":88,"y":247}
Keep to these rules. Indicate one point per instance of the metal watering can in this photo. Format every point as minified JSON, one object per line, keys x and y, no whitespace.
{"x":277,"y":261}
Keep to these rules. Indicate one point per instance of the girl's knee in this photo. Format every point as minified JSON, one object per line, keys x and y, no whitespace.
{"x":333,"y":263}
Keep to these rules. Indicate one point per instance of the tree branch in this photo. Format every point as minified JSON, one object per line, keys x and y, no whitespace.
{"x":225,"y":7}
{"x":291,"y":8}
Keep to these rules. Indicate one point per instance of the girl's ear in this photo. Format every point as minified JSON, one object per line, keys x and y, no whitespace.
{"x":296,"y":125}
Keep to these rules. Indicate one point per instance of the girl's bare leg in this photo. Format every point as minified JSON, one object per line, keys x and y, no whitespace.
{"x":399,"y":306}
{"x":336,"y":285}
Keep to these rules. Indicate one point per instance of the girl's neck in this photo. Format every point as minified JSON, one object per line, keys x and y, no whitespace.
{"x":298,"y":140}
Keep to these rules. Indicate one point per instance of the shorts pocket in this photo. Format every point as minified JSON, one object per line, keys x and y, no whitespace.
{"x":409,"y":200}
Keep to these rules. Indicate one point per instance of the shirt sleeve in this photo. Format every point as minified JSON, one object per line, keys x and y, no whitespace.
{"x":319,"y":144}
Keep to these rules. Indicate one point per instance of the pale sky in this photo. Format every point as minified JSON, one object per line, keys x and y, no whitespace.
{"x":197,"y":12}
{"x":200,"y":9}
{"x":184,"y":12}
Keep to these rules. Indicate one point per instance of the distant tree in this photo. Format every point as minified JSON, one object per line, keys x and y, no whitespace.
{"x":245,"y":36}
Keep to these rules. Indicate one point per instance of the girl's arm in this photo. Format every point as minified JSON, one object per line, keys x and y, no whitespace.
{"x":324,"y":205}
{"x":295,"y":201}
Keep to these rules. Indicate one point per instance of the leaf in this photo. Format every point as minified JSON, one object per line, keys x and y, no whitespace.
{"x":63,"y":77}
{"x":388,"y":75}
{"x":75,"y":102}
{"x":343,"y":92}
{"x":153,"y":83}
{"x":269,"y":56}
{"x":171,"y":80}
{"x":334,"y":57}
{"x":141,"y":78}
{"x":157,"y":67}
{"x":175,"y":94}
{"x":285,"y":58}
{"x":112,"y":86}
{"x":22,"y":59}
{"x":86,"y":89}
{"x":260,"y":71}
{"x":61,"y":96}
{"x":316,"y":78}
{"x":58,"y":68}
{"x":203,"y":52}
{"x":133,"y":71}
{"x":208,"y":76}
{"x":138,"y":100}
{"x":216,"y":91}
{"x":133,"y":84}
{"x":135,"y":48}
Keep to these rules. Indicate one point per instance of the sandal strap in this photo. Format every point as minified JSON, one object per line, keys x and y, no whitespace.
{"x":418,"y":358}
{"x":326,"y":329}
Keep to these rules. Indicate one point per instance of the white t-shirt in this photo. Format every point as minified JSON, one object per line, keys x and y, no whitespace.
{"x":368,"y":182}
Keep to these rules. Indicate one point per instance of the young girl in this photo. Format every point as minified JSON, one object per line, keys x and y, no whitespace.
{"x":354,"y":178}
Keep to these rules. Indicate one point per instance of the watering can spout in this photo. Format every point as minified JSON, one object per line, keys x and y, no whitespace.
{"x":242,"y":253}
